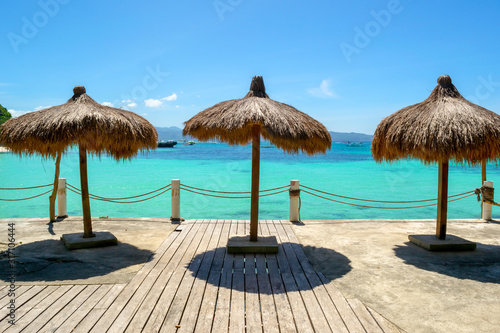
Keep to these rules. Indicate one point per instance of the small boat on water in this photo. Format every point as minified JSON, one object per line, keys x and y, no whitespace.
{"x":189,"y":143}
{"x":167,"y":144}
{"x":354,"y":144}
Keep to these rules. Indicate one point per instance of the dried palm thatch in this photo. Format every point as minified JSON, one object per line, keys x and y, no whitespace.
{"x":283,"y":125}
{"x":95,"y":128}
{"x":82,"y":121}
{"x":244,"y":120}
{"x":445,"y":126}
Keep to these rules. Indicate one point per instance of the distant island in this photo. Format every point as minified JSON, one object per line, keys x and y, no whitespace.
{"x":175,"y":133}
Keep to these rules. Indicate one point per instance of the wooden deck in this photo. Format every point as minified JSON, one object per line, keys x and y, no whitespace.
{"x":192,"y":285}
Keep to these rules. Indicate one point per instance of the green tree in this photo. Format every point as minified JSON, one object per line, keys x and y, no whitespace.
{"x":4,"y":115}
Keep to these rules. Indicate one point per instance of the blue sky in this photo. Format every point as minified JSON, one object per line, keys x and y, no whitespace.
{"x":346,"y":63}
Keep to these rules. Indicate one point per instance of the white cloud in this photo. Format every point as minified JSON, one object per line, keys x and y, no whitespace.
{"x":172,"y":97}
{"x":16,"y":113}
{"x":129,"y":103}
{"x":107,"y":104}
{"x":323,"y":90}
{"x":41,"y":108}
{"x":152,"y":103}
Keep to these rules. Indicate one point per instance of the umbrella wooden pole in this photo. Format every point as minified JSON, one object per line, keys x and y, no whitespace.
{"x":442,"y":208}
{"x":483,"y":172}
{"x":254,"y":206}
{"x":483,"y":179}
{"x":87,"y":219}
{"x":53,"y":196}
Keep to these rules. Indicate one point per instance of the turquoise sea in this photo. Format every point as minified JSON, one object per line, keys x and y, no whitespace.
{"x":344,"y":170}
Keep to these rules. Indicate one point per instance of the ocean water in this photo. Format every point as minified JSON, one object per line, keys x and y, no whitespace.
{"x":344,"y":170}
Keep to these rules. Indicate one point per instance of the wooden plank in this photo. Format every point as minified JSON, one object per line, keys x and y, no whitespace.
{"x":221,"y":316}
{"x":135,"y":290}
{"x":96,"y":313}
{"x":50,"y":311}
{"x":28,"y":306}
{"x":270,"y":320}
{"x":280,"y":270}
{"x":314,"y":309}
{"x":327,"y":305}
{"x":72,"y":321}
{"x":252,"y":309}
{"x":189,"y":247}
{"x":40,"y":307}
{"x":364,"y":316}
{"x":207,"y":311}
{"x":384,"y":324}
{"x":346,"y":313}
{"x":174,"y":314}
{"x":27,"y":301}
{"x":237,"y":309}
{"x":174,"y":256}
{"x":198,"y":294}
{"x":69,"y":309}
{"x":268,"y":312}
{"x":4,"y":290}
{"x":5,"y":299}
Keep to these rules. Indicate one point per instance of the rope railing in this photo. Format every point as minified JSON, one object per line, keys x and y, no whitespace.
{"x":28,"y":198}
{"x":460,"y":196}
{"x":120,"y":200}
{"x":23,"y":188}
{"x":233,"y":192}
{"x":381,"y":201}
{"x":188,"y":189}
{"x":124,"y":198}
{"x":484,"y":194}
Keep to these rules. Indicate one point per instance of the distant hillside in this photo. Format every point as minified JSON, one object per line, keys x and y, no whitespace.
{"x":175,"y":133}
{"x":353,"y":137}
{"x":170,"y":133}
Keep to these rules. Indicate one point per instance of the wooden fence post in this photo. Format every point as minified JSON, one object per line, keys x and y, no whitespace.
{"x":487,"y":213}
{"x":62,"y":210}
{"x":294,"y":200}
{"x":176,"y":200}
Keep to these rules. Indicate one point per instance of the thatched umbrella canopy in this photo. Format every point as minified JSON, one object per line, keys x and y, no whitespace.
{"x":443,"y":127}
{"x":240,"y":121}
{"x":94,"y":127}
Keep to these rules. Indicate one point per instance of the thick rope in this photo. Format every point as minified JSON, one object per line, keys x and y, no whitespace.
{"x":382,"y":201}
{"x":487,"y":193}
{"x":227,"y":197}
{"x":93,"y":196}
{"x":115,"y":201}
{"x":212,"y":191}
{"x":409,"y":207}
{"x":23,"y":188}
{"x":35,"y":196}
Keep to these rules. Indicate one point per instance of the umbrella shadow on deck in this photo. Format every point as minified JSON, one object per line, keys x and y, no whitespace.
{"x":290,"y":270}
{"x":49,"y":260}
{"x":482,"y":265}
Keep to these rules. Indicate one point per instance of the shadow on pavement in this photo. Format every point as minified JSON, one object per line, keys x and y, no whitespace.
{"x":49,"y":260}
{"x":482,"y":265}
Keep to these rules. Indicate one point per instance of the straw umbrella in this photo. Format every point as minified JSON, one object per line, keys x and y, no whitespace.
{"x":81,"y":121}
{"x":245,"y":120}
{"x":443,"y":127}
